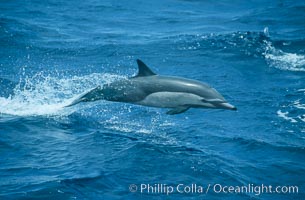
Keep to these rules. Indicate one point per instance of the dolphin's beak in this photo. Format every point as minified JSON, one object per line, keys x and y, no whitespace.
{"x":228,"y":106}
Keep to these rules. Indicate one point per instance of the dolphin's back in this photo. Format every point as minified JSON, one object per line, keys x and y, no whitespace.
{"x":177,"y":84}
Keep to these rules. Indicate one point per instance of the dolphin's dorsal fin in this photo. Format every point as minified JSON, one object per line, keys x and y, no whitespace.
{"x":143,"y":69}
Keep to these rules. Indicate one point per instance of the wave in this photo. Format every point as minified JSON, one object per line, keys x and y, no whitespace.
{"x":246,"y":44}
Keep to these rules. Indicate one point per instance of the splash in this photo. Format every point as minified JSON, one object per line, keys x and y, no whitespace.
{"x":283,"y":60}
{"x":48,"y":95}
{"x":280,"y":59}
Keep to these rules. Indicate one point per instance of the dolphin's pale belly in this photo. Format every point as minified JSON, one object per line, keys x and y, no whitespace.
{"x":171,"y":100}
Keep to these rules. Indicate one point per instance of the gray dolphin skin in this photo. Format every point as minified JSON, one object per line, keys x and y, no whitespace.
{"x":150,"y":89}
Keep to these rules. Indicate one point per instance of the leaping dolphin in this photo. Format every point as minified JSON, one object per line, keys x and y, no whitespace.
{"x":150,"y":89}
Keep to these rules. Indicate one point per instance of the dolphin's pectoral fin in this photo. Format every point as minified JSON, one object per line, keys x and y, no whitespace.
{"x":177,"y":110}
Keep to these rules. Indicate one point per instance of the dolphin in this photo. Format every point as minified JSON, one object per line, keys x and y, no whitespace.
{"x":149,"y":89}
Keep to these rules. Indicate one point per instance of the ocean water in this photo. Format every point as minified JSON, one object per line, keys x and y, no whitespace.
{"x":252,"y":52}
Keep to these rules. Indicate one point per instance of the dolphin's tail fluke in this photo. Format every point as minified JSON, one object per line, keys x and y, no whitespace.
{"x":91,"y":95}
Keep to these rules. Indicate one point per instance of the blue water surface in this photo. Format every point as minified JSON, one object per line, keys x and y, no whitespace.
{"x":252,"y":52}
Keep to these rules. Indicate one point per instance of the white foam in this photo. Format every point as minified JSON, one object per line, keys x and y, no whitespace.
{"x":285,"y":116}
{"x":298,"y":104}
{"x":115,"y":123}
{"x":283,"y":60}
{"x":46,"y":95}
{"x":301,"y":90}
{"x":302,"y":118}
{"x":301,"y":106}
